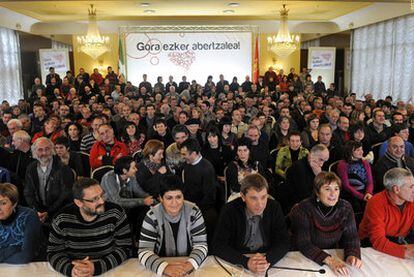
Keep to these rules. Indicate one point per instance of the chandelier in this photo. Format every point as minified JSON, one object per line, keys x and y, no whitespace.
{"x":283,"y":44}
{"x":93,"y":44}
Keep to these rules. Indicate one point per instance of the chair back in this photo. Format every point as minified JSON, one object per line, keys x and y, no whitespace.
{"x":98,"y":173}
{"x":85,"y":164}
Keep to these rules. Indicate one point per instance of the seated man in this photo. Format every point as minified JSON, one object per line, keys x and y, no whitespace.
{"x":394,"y":157}
{"x":389,"y":215}
{"x":252,"y":224}
{"x":121,"y":187}
{"x":90,"y":236}
{"x":300,"y":176}
{"x":402,"y":131}
{"x":48,"y":182}
{"x":174,"y":227}
{"x":107,"y":150}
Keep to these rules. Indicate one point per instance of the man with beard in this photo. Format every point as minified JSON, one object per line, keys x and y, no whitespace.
{"x":90,"y":236}
{"x":48,"y":182}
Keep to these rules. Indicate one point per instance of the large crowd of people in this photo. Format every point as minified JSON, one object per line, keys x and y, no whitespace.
{"x":95,"y":170}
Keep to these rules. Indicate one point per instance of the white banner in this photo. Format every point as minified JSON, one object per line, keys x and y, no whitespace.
{"x":195,"y":55}
{"x":322,"y":62}
{"x":322,"y":59}
{"x":57,"y":58}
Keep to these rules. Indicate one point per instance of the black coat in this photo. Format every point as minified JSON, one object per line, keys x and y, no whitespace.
{"x":231,"y":231}
{"x":58,"y":187}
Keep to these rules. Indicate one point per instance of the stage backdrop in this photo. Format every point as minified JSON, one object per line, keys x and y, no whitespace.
{"x":195,"y":55}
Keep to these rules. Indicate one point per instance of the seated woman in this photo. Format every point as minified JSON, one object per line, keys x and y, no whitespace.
{"x":310,"y":134}
{"x":132,"y":137}
{"x":20,"y":228}
{"x":227,"y":136}
{"x":73,"y":132}
{"x":357,"y":133}
{"x":242,"y":165}
{"x":151,"y":169}
{"x":49,"y":130}
{"x":172,"y":228}
{"x":69,"y":158}
{"x":279,"y":137}
{"x":216,"y":153}
{"x":356,"y":177}
{"x":324,"y":221}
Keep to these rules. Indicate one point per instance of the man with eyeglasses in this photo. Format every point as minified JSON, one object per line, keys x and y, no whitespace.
{"x":90,"y":236}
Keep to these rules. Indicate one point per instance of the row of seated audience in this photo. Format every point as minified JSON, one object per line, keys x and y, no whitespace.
{"x":166,"y":164}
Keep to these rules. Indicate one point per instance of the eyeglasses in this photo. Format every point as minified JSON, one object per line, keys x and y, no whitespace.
{"x":95,"y":199}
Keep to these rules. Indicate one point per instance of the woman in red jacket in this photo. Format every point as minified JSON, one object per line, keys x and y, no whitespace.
{"x":49,"y":130}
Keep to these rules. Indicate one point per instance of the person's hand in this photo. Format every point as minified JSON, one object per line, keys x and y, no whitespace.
{"x":83,"y":268}
{"x":42,"y":216}
{"x":367,"y":196}
{"x":354,"y":261}
{"x":315,"y":167}
{"x":257,"y":263}
{"x":176,"y":269}
{"x":162,"y":169}
{"x":148,"y":201}
{"x":337,"y":266}
{"x":221,"y":178}
{"x":409,"y":251}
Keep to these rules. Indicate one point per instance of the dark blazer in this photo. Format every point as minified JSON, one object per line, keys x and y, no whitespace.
{"x":231,"y":230}
{"x":58,"y":187}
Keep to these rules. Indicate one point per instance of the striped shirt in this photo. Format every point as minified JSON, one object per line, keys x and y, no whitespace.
{"x":152,"y":235}
{"x":87,"y":143}
{"x":106,"y":240}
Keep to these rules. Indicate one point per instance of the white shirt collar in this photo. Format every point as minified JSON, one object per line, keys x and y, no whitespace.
{"x":197,"y":161}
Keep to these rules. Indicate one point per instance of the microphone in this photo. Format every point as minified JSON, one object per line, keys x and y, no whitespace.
{"x":321,"y":271}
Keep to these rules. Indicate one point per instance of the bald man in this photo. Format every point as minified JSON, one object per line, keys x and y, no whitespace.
{"x":394,"y":157}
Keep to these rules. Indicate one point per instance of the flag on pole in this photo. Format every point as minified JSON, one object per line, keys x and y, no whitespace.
{"x":121,"y":56}
{"x":256,"y":61}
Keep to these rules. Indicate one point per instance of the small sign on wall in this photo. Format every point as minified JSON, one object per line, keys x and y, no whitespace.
{"x":57,"y":58}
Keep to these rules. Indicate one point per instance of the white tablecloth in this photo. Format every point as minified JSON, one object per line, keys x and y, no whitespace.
{"x":375,"y":264}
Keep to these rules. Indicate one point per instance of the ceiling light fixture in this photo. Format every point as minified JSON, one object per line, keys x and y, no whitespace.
{"x":233,"y":4}
{"x":228,"y":11}
{"x":149,"y":11}
{"x":145,"y":4}
{"x":93,"y":44}
{"x":283,"y":44}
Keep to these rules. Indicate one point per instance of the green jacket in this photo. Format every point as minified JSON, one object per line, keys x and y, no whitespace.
{"x":284,"y":160}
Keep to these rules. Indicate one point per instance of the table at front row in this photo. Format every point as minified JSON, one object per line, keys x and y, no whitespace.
{"x":375,"y":264}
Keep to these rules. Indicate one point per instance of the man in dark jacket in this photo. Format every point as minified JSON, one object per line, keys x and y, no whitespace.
{"x":48,"y":182}
{"x":252,"y":224}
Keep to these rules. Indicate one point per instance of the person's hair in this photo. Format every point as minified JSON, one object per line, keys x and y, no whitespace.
{"x":356,"y":127}
{"x":10,"y":191}
{"x":294,"y":133}
{"x":349,"y":148}
{"x":318,"y":148}
{"x":15,"y":121}
{"x":77,"y":126}
{"x":123,"y":163}
{"x":324,"y":178}
{"x":80,"y":185}
{"x":397,"y":128}
{"x":253,"y":181}
{"x":124,"y":134}
{"x":395,"y":177}
{"x":160,"y":121}
{"x":151,"y":147}
{"x":171,"y":182}
{"x":33,"y":148}
{"x":324,"y":125}
{"x":150,"y":105}
{"x":244,"y":141}
{"x":192,"y":145}
{"x":311,"y":117}
{"x":62,"y":140}
{"x":179,"y":128}
{"x":23,"y":135}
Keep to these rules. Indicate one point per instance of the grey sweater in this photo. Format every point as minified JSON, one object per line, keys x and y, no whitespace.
{"x":112,"y":188}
